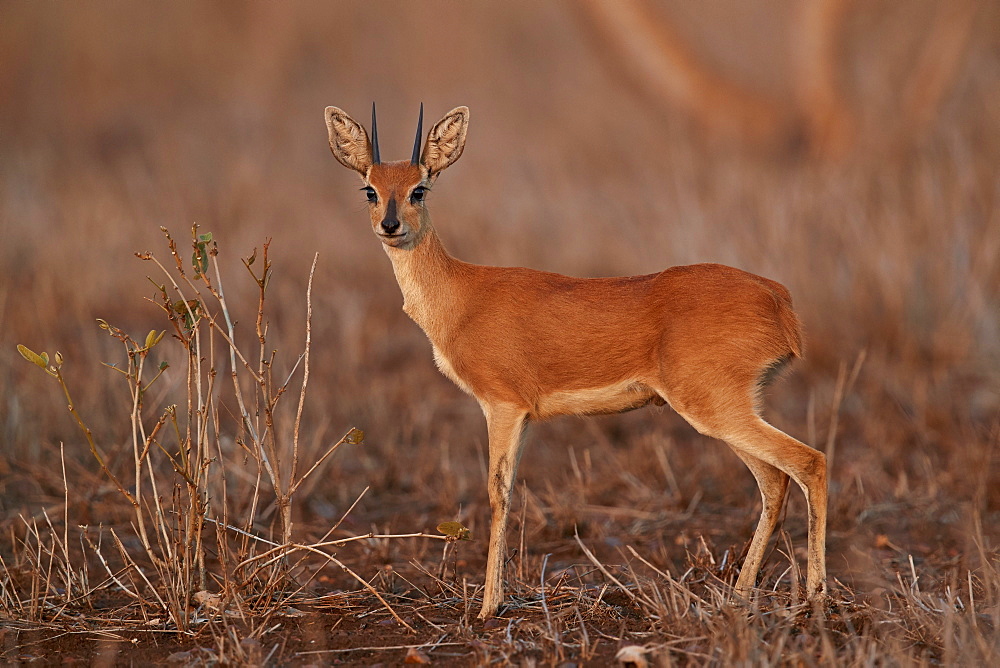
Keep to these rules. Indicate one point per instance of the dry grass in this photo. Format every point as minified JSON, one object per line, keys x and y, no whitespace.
{"x":115,"y":122}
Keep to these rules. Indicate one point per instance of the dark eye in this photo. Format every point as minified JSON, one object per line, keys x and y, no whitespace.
{"x":418,"y":194}
{"x":370,"y":194}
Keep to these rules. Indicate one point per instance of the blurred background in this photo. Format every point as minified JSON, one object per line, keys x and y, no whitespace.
{"x":849,"y":150}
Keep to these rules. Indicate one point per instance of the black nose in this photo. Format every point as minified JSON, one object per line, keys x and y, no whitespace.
{"x":390,"y":223}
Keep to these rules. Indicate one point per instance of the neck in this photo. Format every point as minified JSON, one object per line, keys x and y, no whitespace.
{"x":426,"y":275}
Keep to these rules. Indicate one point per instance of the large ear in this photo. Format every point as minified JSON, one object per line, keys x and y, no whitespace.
{"x":348,"y":141}
{"x":446,"y":140}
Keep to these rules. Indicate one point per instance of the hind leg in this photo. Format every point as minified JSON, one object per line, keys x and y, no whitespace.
{"x":772,"y":483}
{"x":764,"y":448}
{"x":807,"y":467}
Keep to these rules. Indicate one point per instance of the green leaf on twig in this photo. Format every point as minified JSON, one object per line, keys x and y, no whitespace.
{"x":454,"y":531}
{"x":354,"y":436}
{"x":153,"y":338}
{"x":200,"y":260}
{"x":189,"y":310}
{"x":42,"y":361}
{"x":200,"y":256}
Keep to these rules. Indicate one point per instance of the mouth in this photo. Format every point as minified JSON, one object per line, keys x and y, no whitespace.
{"x":392,"y":239}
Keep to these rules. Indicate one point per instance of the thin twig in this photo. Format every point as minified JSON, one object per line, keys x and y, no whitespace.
{"x":607,"y":574}
{"x":381,"y":649}
{"x":318,"y":462}
{"x":305,"y":376}
{"x":364,"y":583}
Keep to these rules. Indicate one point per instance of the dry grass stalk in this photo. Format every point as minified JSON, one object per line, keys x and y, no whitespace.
{"x":180,"y":463}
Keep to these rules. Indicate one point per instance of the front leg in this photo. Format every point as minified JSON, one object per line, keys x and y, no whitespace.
{"x":506,"y":425}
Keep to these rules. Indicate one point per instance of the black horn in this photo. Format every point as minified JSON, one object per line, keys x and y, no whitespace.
{"x":375,"y":157}
{"x":420,"y":132}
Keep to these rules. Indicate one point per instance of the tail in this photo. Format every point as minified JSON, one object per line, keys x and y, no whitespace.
{"x":789,"y":322}
{"x":791,"y":329}
{"x":791,"y":326}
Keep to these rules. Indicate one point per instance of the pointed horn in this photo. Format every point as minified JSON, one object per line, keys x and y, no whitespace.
{"x":375,"y":158}
{"x":420,"y":132}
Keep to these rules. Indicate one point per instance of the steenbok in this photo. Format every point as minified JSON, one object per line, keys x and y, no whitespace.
{"x":529,"y":344}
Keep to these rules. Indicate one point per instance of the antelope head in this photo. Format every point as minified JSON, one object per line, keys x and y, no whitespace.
{"x":397,"y":191}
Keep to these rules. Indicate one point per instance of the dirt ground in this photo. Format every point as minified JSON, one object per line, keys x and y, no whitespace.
{"x":578,"y":619}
